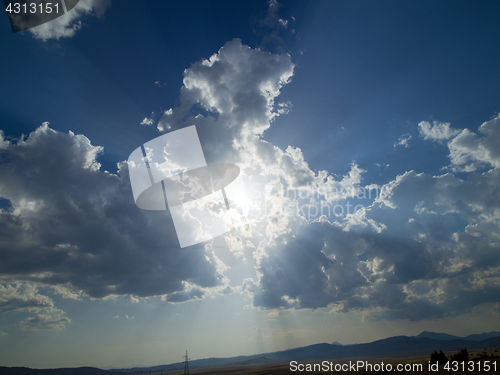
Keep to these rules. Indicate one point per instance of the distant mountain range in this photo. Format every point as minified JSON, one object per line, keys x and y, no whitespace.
{"x":58,"y":371}
{"x":445,"y":336}
{"x":398,"y":346}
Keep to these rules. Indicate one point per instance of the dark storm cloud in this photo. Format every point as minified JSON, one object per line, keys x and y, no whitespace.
{"x":72,"y":224}
{"x":401,"y":278}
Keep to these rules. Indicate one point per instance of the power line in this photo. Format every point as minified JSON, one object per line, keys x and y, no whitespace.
{"x":186,"y":365}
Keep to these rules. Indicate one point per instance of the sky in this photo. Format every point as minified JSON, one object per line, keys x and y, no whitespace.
{"x":367,"y":134}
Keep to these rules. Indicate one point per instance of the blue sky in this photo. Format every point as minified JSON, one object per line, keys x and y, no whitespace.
{"x":310,"y":99}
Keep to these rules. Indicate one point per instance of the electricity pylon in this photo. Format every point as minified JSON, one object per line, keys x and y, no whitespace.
{"x":186,"y":366}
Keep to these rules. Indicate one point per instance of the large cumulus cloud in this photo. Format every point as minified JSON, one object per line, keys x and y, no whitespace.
{"x":422,"y":247}
{"x":425,"y":247}
{"x":437,"y":253}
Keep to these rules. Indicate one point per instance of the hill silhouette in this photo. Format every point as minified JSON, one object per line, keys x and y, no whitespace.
{"x":398,"y":346}
{"x":392,"y":347}
{"x":445,"y":336}
{"x":58,"y":371}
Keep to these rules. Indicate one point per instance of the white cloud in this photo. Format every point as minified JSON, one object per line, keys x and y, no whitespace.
{"x":147,"y":121}
{"x":67,"y":292}
{"x":438,"y":131}
{"x":430,"y":242}
{"x":51,"y":320}
{"x":403,"y":140}
{"x":283,"y":23}
{"x":24,"y":297}
{"x":3,"y":143}
{"x":468,"y":152}
{"x":448,"y":269}
{"x":68,"y":24}
{"x":237,"y":88}
{"x":2,"y":334}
